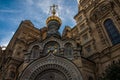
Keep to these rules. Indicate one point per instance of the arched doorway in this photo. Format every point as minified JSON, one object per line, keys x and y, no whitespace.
{"x":53,"y":68}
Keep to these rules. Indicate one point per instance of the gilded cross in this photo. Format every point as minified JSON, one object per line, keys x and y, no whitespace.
{"x":53,"y":9}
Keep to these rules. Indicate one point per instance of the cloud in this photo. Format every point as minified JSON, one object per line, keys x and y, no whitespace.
{"x":78,"y":1}
{"x":67,"y":14}
{"x":45,"y":6}
{"x":9,"y":11}
{"x":30,"y":2}
{"x":4,"y":41}
{"x":12,"y":32}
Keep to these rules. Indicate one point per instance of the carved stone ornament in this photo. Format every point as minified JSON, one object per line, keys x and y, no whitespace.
{"x":53,"y":68}
{"x":100,"y":11}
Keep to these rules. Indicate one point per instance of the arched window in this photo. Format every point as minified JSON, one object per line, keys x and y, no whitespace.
{"x":90,"y":78}
{"x":68,"y":49}
{"x":12,"y":74}
{"x":112,"y":31}
{"x":35,"y":52}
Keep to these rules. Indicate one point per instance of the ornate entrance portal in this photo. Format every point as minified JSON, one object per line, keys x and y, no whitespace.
{"x":51,"y":68}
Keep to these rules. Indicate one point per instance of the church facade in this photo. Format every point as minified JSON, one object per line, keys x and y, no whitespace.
{"x":80,"y":53}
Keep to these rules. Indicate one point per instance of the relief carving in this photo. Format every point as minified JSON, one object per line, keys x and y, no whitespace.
{"x":100,"y":11}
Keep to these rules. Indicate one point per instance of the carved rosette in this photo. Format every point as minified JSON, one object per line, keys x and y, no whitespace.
{"x":51,"y":62}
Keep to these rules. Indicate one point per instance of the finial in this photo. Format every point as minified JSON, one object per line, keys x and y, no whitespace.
{"x":53,"y":9}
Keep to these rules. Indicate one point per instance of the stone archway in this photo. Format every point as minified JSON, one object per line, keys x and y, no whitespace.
{"x":53,"y":68}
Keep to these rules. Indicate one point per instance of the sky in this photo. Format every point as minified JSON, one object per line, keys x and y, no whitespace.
{"x":12,"y":12}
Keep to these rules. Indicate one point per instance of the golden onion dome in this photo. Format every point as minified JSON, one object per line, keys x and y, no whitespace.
{"x":52,"y":18}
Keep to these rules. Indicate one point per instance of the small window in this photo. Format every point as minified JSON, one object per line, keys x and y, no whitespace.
{"x":88,"y":48}
{"x":78,"y":45}
{"x":12,"y":74}
{"x":85,"y":37}
{"x":90,"y":78}
{"x":35,"y":52}
{"x":68,"y":49}
{"x":80,"y":18}
{"x":18,"y":53}
{"x":82,"y":26}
